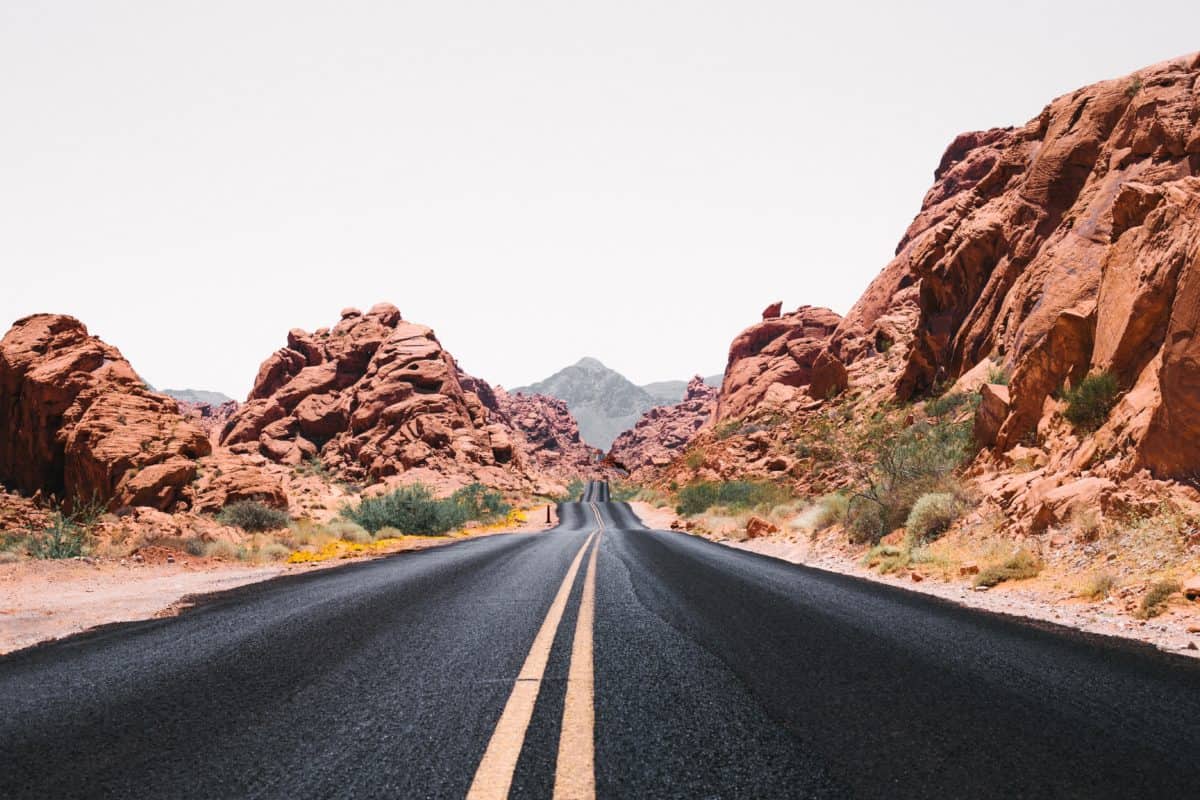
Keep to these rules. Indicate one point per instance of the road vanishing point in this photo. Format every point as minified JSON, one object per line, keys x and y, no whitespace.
{"x":596,"y":659}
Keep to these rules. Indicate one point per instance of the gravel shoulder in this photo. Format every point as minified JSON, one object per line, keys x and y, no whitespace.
{"x":1177,"y":631}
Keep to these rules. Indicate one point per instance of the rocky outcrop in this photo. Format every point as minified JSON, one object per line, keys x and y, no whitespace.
{"x":549,"y":435}
{"x":210,"y":418}
{"x":663,"y":433}
{"x":1068,"y":246}
{"x":774,"y":360}
{"x":77,"y":422}
{"x":373,"y":397}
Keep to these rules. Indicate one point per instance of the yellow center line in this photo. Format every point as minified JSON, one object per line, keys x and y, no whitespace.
{"x":575,"y":772}
{"x":494,"y":776}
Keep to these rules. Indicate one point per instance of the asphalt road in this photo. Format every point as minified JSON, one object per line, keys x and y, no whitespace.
{"x":663,"y":666}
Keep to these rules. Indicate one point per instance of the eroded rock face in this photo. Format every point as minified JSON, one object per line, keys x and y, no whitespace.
{"x":1067,"y":246}
{"x":550,"y":435}
{"x":773,"y":360}
{"x":664,"y":432}
{"x":373,"y":397}
{"x":76,"y":421}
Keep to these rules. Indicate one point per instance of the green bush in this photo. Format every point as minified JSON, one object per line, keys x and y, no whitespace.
{"x":907,"y":463}
{"x":932,"y":515}
{"x":1019,"y":566}
{"x":696,"y":498}
{"x":415,"y":509}
{"x":253,"y":516}
{"x":1088,"y":403}
{"x":64,"y":537}
{"x":573,"y":493}
{"x":998,"y":375}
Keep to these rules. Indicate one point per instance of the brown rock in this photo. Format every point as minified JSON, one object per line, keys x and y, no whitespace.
{"x":772,"y":311}
{"x":781,"y":351}
{"x":664,"y":432}
{"x":992,"y":411}
{"x":1191,"y":588}
{"x":376,"y":396}
{"x":757,"y":527}
{"x":969,"y":568}
{"x":76,"y":421}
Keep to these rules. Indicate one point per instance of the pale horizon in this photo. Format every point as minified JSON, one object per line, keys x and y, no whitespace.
{"x":632,"y":182}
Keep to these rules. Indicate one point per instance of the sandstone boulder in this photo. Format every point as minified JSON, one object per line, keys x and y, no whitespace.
{"x":76,"y":421}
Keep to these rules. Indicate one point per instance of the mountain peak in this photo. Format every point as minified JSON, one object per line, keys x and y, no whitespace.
{"x":587,"y":362}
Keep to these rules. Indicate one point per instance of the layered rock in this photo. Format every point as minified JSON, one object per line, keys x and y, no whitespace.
{"x":664,"y":432}
{"x":373,"y":397}
{"x":1068,"y":246}
{"x":77,"y":422}
{"x":550,"y":435}
{"x":774,"y":360}
{"x":209,"y":417}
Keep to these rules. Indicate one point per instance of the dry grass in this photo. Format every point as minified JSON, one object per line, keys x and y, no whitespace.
{"x":1154,"y":602}
{"x":1021,"y":565}
{"x":1097,"y":585}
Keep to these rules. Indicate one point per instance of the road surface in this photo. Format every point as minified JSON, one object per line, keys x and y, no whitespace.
{"x":596,"y":659}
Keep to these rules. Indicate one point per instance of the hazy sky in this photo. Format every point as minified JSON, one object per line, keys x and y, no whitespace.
{"x":536,"y":181}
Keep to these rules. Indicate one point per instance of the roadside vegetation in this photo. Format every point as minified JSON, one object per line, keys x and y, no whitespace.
{"x":415,"y":509}
{"x":696,"y":498}
{"x":1154,"y":602}
{"x":1019,"y":566}
{"x":253,"y":516}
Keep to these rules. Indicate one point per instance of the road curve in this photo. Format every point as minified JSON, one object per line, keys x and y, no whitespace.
{"x":686,"y":669}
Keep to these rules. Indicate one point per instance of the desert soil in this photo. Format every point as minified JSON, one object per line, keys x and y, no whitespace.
{"x":45,"y":600}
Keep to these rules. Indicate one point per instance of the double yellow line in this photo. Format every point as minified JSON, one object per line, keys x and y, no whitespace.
{"x":575,"y":773}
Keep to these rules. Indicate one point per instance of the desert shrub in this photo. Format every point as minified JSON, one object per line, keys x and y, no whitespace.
{"x":1087,"y":524}
{"x":387,"y":532}
{"x":1134,"y":86}
{"x":314,"y":466}
{"x":1019,"y":566}
{"x":998,"y":375}
{"x":415,"y":509}
{"x":224,"y":550}
{"x":831,"y":510}
{"x":947,"y":404}
{"x":932,"y":514}
{"x":63,"y":537}
{"x":696,"y":498}
{"x":694,"y":460}
{"x":194,"y":547}
{"x":623,"y":491}
{"x":906,"y":464}
{"x":573,"y":493}
{"x":887,"y":558}
{"x":1154,"y":602}
{"x":1088,"y":403}
{"x":253,"y":516}
{"x":274,"y":551}
{"x":1097,"y":585}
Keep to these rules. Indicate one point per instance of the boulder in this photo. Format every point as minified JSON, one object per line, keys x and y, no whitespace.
{"x":757,"y":527}
{"x":77,"y":422}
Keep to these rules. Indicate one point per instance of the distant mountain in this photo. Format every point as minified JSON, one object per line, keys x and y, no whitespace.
{"x":603,"y":401}
{"x":197,"y":396}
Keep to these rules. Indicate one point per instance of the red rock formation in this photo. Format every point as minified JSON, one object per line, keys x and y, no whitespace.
{"x":550,"y":435}
{"x":769,"y":362}
{"x":208,"y":417}
{"x":375,"y":396}
{"x":1067,"y":246}
{"x":76,"y":421}
{"x":664,"y":432}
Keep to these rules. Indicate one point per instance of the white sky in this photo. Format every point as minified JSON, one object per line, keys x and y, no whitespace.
{"x":536,"y":181}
